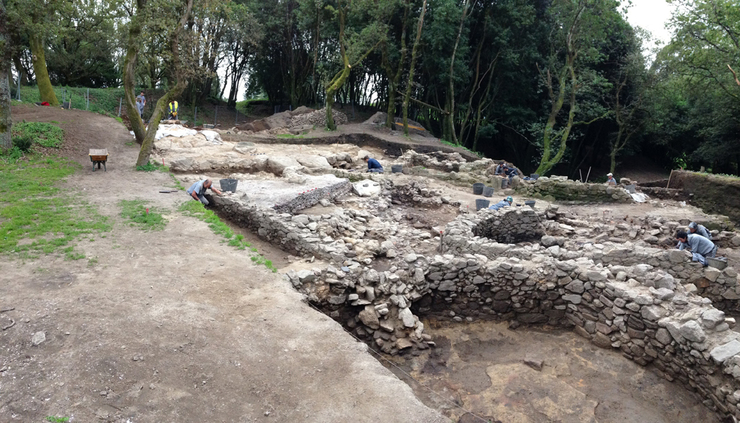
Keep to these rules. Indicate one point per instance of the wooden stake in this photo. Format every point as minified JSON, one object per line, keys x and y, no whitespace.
{"x":669,"y":180}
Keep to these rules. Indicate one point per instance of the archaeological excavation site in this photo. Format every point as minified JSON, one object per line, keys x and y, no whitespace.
{"x":571,"y":304}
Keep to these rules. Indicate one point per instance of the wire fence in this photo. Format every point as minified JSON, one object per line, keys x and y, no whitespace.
{"x":109,"y":101}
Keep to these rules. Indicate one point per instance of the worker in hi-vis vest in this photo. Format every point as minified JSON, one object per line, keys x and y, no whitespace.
{"x":173,"y":110}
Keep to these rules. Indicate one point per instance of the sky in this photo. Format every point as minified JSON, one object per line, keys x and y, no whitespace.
{"x":651,"y":15}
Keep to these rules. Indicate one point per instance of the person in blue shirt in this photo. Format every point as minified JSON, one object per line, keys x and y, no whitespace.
{"x":698,"y":229}
{"x":198,"y":190}
{"x":506,"y":202}
{"x":373,"y":165}
{"x":700,"y":247}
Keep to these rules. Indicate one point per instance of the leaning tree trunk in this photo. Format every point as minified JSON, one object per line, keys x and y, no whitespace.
{"x":157,"y":114}
{"x":129,"y":75}
{"x":46,"y":91}
{"x":6,"y":141}
{"x":159,"y":109}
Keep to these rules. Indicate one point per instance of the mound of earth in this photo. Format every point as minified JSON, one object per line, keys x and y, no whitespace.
{"x":294,"y":121}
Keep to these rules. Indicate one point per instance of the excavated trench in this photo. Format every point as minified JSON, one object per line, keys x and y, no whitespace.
{"x":483,"y":360}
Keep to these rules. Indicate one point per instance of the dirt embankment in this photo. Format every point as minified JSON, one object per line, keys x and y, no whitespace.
{"x":715,"y":194}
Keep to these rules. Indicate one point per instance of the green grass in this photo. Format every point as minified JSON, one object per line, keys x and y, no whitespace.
{"x":54,"y":419}
{"x":42,"y":133}
{"x":196,"y":209}
{"x":38,"y":218}
{"x":452,"y":144}
{"x":147,"y":218}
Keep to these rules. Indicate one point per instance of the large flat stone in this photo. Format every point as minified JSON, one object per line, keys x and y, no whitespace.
{"x":723,"y":352}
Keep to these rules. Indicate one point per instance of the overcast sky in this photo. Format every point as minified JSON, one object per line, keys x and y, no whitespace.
{"x":651,"y":15}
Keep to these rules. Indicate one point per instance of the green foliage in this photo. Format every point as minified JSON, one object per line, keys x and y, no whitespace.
{"x":146,"y":217}
{"x":102,"y":100}
{"x":36,"y":217}
{"x":54,"y":419}
{"x":153,"y":166}
{"x":42,"y":133}
{"x":196,"y":209}
{"x":22,"y":143}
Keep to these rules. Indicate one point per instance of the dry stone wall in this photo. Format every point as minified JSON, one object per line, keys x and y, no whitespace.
{"x":562,"y":189}
{"x":620,"y":297}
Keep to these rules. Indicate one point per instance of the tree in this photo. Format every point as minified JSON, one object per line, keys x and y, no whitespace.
{"x":175,"y":25}
{"x":394,"y":70}
{"x":706,"y":42}
{"x":409,"y":83}
{"x":578,"y":26}
{"x":82,"y":53}
{"x":354,"y":45}
{"x":6,"y":123}
{"x":37,"y":20}
{"x":243,"y":35}
{"x":627,"y":108}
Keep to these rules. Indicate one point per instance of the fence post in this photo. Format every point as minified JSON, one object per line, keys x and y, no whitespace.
{"x":236,"y":117}
{"x":87,"y":100}
{"x":215,"y":118}
{"x":18,"y":94}
{"x":120,"y":103}
{"x":195,"y":116}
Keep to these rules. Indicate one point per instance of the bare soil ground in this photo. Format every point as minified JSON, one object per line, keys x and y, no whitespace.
{"x":171,"y":325}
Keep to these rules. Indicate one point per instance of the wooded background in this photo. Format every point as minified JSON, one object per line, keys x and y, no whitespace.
{"x":552,"y":86}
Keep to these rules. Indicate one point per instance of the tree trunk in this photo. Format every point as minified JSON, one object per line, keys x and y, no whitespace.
{"x":182,"y":83}
{"x":20,"y":69}
{"x":46,"y":91}
{"x":157,"y":114}
{"x":129,"y":75}
{"x":6,"y":123}
{"x":451,"y":91}
{"x":414,"y":50}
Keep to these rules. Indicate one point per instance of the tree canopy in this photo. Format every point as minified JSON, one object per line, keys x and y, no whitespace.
{"x":551,"y":85}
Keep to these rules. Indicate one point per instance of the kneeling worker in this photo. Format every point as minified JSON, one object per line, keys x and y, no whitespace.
{"x":698,"y":229}
{"x":700,"y":247}
{"x":506,"y":202}
{"x":198,"y":190}
{"x":373,"y":165}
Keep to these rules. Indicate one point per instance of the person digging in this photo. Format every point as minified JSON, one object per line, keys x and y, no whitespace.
{"x":198,"y":190}
{"x":506,"y":202}
{"x":700,"y":247}
{"x":698,"y":229}
{"x":373,"y":165}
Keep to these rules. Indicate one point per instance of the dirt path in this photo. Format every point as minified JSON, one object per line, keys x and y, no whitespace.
{"x":172,"y":325}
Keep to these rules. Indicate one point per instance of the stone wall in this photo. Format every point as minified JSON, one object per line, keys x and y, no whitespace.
{"x":662,"y":324}
{"x":310,"y":198}
{"x":716,"y":194}
{"x":621,"y":298}
{"x":562,"y":189}
{"x":510,"y":226}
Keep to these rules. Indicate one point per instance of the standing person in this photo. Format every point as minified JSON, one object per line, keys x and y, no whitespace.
{"x":140,"y":103}
{"x":700,"y":247}
{"x":373,"y":165}
{"x":198,"y":190}
{"x":173,"y":110}
{"x":698,"y":229}
{"x":610,"y":179}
